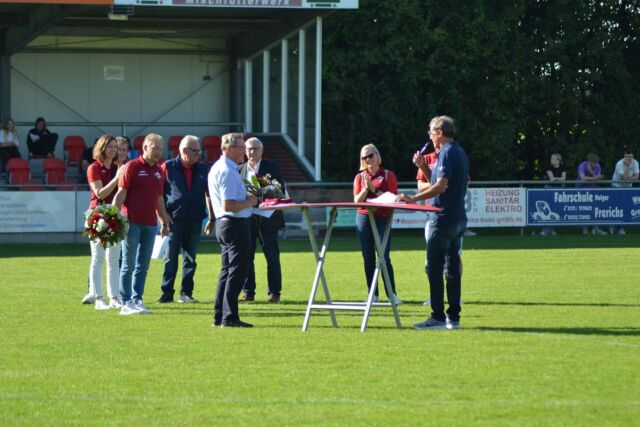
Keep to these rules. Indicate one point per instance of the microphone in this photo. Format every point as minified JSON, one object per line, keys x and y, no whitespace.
{"x":427,"y":148}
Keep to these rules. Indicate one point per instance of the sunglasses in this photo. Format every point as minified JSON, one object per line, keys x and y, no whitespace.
{"x":368,"y":156}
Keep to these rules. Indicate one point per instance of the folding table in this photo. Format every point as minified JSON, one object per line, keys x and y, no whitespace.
{"x":321,"y":255}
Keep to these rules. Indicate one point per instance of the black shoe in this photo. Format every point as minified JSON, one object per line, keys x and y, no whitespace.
{"x":164,"y":300}
{"x":236,"y":324}
{"x":217,"y":322}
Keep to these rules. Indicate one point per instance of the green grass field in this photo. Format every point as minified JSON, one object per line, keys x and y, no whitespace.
{"x":551,"y":336}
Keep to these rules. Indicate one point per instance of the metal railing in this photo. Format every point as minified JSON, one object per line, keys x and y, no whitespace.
{"x":235,"y":126}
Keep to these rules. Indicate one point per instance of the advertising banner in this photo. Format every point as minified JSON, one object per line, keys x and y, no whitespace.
{"x":273,"y":4}
{"x":486,"y":207}
{"x":583,"y":206}
{"x":44,"y":211}
{"x":496,"y":207}
{"x":21,"y":212}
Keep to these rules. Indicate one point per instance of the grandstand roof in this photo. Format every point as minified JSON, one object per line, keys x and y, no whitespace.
{"x":51,"y":26}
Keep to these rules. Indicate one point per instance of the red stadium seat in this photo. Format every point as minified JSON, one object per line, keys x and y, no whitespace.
{"x":55,"y":172}
{"x":174,"y":145}
{"x":19,"y":174}
{"x":74,"y":145}
{"x":137,"y":143}
{"x":211,"y":144}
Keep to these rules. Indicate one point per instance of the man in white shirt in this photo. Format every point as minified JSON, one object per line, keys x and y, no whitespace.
{"x":627,"y":171}
{"x":232,"y":209}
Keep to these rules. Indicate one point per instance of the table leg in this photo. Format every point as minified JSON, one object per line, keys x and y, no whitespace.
{"x":380,"y":266}
{"x":320,"y":257}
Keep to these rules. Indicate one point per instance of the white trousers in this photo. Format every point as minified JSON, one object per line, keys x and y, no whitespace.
{"x":98,"y":254}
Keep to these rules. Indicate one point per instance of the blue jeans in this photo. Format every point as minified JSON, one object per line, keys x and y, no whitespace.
{"x":185,"y":236}
{"x":136,"y":254}
{"x":443,"y":249}
{"x":368,"y":248}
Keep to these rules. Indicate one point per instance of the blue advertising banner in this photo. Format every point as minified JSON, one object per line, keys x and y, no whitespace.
{"x":583,"y":206}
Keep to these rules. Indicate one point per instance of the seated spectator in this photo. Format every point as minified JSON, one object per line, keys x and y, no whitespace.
{"x":40,"y":141}
{"x":87,"y":159}
{"x":9,"y":144}
{"x":555,"y":172}
{"x":590,"y":170}
{"x":627,"y":171}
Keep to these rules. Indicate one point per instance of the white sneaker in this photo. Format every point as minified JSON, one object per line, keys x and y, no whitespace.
{"x":141,"y":308}
{"x":544,"y":233}
{"x":599,"y":232}
{"x":88,"y":299}
{"x":397,"y":300}
{"x":469,"y":233}
{"x":452,"y":324}
{"x":187,"y":299}
{"x":621,"y":232}
{"x":431,"y":323}
{"x":101,"y":305}
{"x":115,"y":302}
{"x":553,"y":233}
{"x":129,"y":308}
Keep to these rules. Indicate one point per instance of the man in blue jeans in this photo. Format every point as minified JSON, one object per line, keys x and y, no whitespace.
{"x":140,"y":196}
{"x":449,"y":180}
{"x":185,"y":193}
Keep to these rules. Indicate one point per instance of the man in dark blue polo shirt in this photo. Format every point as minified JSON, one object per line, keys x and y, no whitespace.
{"x":448,"y":187}
{"x":185,"y":194}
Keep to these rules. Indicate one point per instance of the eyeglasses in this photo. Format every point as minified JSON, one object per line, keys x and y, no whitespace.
{"x":368,"y":156}
{"x":434,"y":132}
{"x":194,"y":150}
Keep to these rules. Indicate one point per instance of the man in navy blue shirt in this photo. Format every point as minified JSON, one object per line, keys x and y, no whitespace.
{"x":448,"y":180}
{"x":185,"y":195}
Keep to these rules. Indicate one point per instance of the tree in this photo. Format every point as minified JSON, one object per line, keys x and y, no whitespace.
{"x":523,"y":79}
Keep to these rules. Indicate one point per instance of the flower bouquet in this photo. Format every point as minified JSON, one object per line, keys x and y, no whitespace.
{"x":264,"y":187}
{"x":106,"y":224}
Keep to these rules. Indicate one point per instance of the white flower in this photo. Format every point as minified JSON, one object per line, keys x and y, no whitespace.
{"x":101,"y":225}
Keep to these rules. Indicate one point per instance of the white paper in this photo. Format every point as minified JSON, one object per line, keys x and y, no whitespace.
{"x":260,"y":212}
{"x":160,"y":247}
{"x":385,"y":198}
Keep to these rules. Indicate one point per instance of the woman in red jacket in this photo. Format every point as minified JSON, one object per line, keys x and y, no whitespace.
{"x":372,"y":181}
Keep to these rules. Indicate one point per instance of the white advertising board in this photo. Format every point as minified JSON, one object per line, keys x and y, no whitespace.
{"x":496,"y":207}
{"x":43,"y":211}
{"x":486,"y":207}
{"x":268,"y":4}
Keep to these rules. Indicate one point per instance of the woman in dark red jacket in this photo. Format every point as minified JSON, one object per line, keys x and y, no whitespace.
{"x":372,"y":181}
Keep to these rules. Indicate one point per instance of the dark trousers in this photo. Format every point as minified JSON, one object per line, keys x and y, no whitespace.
{"x":233,"y":235}
{"x":184,"y":237}
{"x":368,"y":248}
{"x":443,"y":248}
{"x":7,"y":153}
{"x":268,"y":238}
{"x":45,"y":145}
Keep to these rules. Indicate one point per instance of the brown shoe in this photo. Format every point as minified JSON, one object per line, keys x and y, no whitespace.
{"x":274,"y":298}
{"x":247,"y":298}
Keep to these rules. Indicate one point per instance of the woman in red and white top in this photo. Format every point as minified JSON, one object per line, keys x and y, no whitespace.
{"x":102,"y":176}
{"x":372,"y":181}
